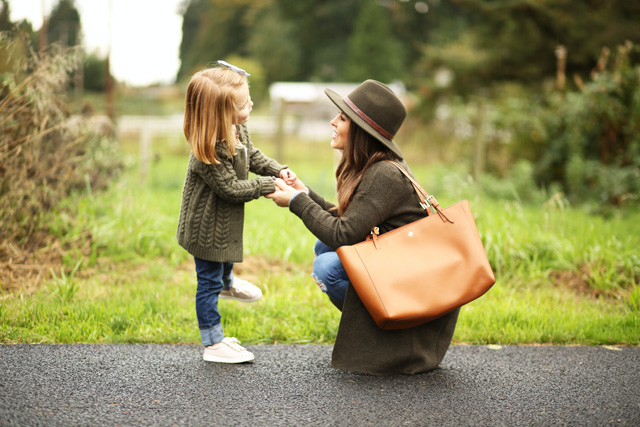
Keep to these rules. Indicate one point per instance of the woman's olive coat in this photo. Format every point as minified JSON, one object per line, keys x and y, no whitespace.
{"x":384,"y":198}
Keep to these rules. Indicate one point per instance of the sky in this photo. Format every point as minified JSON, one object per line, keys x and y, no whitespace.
{"x":145,"y":34}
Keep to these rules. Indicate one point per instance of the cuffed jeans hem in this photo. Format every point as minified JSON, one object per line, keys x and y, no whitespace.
{"x":212,"y":335}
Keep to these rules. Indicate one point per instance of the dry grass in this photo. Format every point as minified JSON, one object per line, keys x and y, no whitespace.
{"x":46,"y":154}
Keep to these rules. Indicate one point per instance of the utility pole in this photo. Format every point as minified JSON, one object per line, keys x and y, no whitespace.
{"x":109,"y":84}
{"x":79,"y":75}
{"x":561,"y":67}
{"x":479,"y":142}
{"x":42,"y":35}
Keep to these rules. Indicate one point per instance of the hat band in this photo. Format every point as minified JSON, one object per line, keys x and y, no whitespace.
{"x":367,"y":119}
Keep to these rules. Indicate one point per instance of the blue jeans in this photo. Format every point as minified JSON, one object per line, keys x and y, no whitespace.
{"x":213,"y":277}
{"x":329,"y":273}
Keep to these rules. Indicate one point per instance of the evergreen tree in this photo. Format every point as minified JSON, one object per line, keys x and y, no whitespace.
{"x":521,"y":36}
{"x":216,"y":29}
{"x":15,"y":40}
{"x":5,"y":21}
{"x":272,"y":44}
{"x":373,"y":50}
{"x":418,"y":23}
{"x":191,"y":23}
{"x":64,"y":24}
{"x":481,"y":41}
{"x":95,"y":73}
{"x":321,"y":29}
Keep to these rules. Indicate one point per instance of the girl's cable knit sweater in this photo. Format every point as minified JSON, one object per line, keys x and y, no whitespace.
{"x":212,"y":212}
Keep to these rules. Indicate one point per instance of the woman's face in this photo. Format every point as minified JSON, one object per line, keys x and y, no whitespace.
{"x":246,"y":106}
{"x":340,"y":135}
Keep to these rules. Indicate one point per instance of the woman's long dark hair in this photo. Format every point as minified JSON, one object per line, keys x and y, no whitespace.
{"x":359,"y":153}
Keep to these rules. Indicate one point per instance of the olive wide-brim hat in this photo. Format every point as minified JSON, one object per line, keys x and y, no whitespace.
{"x":375,"y":108}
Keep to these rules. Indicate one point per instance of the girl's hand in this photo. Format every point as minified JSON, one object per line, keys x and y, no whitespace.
{"x":283,"y":193}
{"x":290,"y":178}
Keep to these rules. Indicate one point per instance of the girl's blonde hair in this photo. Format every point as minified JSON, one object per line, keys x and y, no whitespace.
{"x":211,"y":104}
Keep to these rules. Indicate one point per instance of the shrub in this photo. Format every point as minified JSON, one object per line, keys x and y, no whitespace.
{"x":45,"y":152}
{"x":585,"y":142}
{"x":594,"y":134}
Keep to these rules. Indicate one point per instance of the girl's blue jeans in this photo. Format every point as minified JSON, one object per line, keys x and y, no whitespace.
{"x":329,"y":273}
{"x":212,"y":277}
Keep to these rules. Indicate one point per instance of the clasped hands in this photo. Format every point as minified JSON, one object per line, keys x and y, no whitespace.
{"x":286,"y":186}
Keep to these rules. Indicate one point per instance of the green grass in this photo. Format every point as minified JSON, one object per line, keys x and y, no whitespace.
{"x":564,"y":276}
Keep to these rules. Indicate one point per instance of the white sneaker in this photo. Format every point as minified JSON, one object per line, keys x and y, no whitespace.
{"x":242,"y":290}
{"x":228,"y":350}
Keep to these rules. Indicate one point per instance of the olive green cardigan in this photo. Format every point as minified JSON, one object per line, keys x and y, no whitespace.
{"x":211,"y":219}
{"x":384,"y":198}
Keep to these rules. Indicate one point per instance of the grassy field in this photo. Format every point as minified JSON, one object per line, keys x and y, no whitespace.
{"x":564,"y":276}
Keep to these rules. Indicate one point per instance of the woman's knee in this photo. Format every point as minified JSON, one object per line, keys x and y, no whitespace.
{"x":324,"y":264}
{"x":320,"y":248}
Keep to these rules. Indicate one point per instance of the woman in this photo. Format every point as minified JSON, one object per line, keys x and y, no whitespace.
{"x":371,"y":193}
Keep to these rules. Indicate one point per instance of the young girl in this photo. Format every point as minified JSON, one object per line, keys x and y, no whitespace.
{"x":216,"y":188}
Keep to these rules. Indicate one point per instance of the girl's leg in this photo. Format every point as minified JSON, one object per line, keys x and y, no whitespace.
{"x":238,"y":289}
{"x":329,"y":273}
{"x":210,"y":283}
{"x":217,"y":348}
{"x":227,"y":275}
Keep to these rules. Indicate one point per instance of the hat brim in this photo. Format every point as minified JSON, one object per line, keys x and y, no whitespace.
{"x":338,"y":100}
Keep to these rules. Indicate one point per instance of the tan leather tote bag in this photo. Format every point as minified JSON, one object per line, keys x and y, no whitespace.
{"x":423,"y":270}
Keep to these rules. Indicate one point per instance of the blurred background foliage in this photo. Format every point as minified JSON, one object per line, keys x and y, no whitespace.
{"x":501,"y":83}
{"x":496,"y":83}
{"x":530,"y":108}
{"x":538,"y":95}
{"x":47,"y":153}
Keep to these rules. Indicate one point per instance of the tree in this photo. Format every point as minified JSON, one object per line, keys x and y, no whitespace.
{"x":481,"y":41}
{"x":313,"y":33}
{"x":5,"y":22}
{"x":95,"y":73}
{"x":321,"y":28}
{"x":272,"y":44}
{"x":521,"y":36}
{"x":14,"y":41}
{"x":418,"y":23}
{"x":593,"y":147}
{"x":64,"y":24}
{"x":191,"y":19}
{"x":215,"y":29}
{"x":373,"y":51}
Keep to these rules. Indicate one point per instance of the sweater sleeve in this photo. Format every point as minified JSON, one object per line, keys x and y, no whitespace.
{"x":224,"y":182}
{"x":259,"y":163}
{"x":324,"y":204}
{"x":379,"y":194}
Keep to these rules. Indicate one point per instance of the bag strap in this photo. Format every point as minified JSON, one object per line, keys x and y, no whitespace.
{"x":426,"y":201}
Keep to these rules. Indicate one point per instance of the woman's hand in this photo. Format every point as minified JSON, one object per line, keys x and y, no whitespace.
{"x":283,"y":193}
{"x":291,"y":179}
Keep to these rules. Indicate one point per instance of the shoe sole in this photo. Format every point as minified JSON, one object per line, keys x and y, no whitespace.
{"x":226,"y":360}
{"x":240,"y":299}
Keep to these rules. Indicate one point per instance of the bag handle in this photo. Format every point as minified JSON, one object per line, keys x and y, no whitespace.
{"x":426,"y":201}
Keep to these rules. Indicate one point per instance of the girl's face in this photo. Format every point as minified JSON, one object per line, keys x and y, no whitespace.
{"x":340,"y":135}
{"x":246,"y":106}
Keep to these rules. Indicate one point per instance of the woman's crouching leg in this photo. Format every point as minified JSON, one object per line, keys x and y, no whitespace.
{"x":331,"y":276}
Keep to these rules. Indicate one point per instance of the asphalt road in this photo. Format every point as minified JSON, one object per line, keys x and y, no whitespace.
{"x":166,"y":385}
